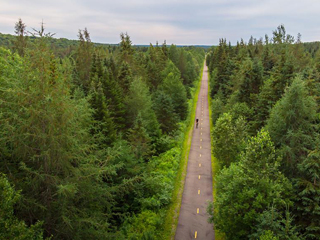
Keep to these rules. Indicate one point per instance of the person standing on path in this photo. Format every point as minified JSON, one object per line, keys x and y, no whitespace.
{"x":197,"y":122}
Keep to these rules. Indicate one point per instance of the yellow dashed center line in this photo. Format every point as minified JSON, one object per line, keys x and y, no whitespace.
{"x":199,"y":164}
{"x":199,"y":192}
{"x":199,"y":177}
{"x":200,"y":147}
{"x":195,"y":234}
{"x":201,"y":140}
{"x":201,"y":133}
{"x":200,"y":154}
{"x":197,"y":210}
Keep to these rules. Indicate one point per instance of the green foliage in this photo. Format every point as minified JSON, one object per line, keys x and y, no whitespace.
{"x":247,"y":188}
{"x":165,"y":112}
{"x":45,"y":134}
{"x":272,"y":84}
{"x":138,"y":102}
{"x":273,"y":225}
{"x":20,"y":42}
{"x":291,"y":124}
{"x":217,"y":109}
{"x":84,"y":59}
{"x":10,"y":226}
{"x":173,"y":86}
{"x":307,"y":199}
{"x":228,"y":137}
{"x":92,"y":141}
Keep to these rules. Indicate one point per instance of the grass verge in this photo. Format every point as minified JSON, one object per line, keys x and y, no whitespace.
{"x":172,"y":217}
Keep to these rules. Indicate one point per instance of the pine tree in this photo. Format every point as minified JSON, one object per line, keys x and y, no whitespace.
{"x":126,"y":49}
{"x":307,"y":197}
{"x":166,"y":115}
{"x":291,"y":125}
{"x":138,"y":101}
{"x":139,"y":139}
{"x":84,"y":59}
{"x":125,"y":77}
{"x":173,"y":86}
{"x":104,"y":126}
{"x":20,"y":42}
{"x":45,"y":133}
{"x":10,"y":226}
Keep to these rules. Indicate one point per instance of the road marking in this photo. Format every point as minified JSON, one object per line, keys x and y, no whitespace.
{"x":201,"y":128}
{"x":200,"y":154}
{"x":199,"y":177}
{"x":195,"y":234}
{"x":197,"y":210}
{"x":201,"y":133}
{"x":200,"y":139}
{"x":199,"y":164}
{"x":200,"y":147}
{"x":199,"y":192}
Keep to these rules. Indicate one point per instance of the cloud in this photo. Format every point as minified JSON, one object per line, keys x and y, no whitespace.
{"x":177,"y":21}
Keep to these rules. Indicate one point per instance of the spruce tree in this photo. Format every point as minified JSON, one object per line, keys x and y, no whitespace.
{"x":173,"y":86}
{"x":84,"y":59}
{"x":164,"y":109}
{"x":291,"y":125}
{"x":307,"y":198}
{"x":45,"y":132}
{"x":20,"y":42}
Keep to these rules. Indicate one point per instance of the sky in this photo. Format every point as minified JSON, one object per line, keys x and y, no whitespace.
{"x":182,"y":22}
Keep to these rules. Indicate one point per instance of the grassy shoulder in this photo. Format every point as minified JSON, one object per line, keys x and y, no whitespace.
{"x":214,"y":163}
{"x":172,"y":216}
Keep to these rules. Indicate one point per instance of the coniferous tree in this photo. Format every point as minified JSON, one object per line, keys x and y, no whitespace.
{"x":173,"y":86}
{"x":45,"y":132}
{"x":10,"y":226}
{"x":165,"y":111}
{"x":291,"y":125}
{"x":139,"y":139}
{"x":20,"y":42}
{"x":307,"y":189}
{"x":84,"y":59}
{"x":126,"y":50}
{"x":125,"y":76}
{"x":138,"y":101}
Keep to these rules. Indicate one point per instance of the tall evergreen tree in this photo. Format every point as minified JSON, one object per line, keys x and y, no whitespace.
{"x":138,"y":101}
{"x":173,"y":86}
{"x":84,"y":59}
{"x":291,"y":125}
{"x":307,"y":198}
{"x":20,"y":42}
{"x":165,"y":112}
{"x":45,"y":132}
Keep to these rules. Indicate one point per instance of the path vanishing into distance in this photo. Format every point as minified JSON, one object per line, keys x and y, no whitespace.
{"x":197,"y":191}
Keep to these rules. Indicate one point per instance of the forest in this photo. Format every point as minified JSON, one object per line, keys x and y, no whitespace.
{"x":91,"y":136}
{"x":265,"y":138}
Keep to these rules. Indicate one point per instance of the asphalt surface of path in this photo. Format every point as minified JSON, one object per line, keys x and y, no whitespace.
{"x":197,"y":191}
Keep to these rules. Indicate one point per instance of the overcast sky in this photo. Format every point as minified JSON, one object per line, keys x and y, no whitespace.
{"x":176,"y":21}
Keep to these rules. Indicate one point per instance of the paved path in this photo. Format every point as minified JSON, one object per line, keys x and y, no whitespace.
{"x":198,"y":183}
